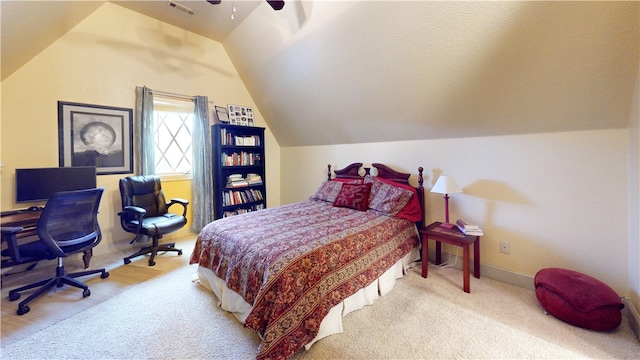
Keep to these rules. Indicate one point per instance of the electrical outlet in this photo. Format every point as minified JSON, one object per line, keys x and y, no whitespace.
{"x":504,"y":247}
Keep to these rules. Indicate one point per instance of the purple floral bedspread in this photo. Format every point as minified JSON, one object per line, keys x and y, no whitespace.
{"x":295,"y":262}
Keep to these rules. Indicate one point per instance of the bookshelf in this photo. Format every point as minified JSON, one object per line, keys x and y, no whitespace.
{"x":239,"y":169}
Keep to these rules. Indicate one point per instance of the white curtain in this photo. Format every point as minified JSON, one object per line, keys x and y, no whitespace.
{"x":145,"y":152}
{"x":202,"y":169}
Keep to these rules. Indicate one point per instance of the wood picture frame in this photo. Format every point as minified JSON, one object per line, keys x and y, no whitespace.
{"x":95,"y":135}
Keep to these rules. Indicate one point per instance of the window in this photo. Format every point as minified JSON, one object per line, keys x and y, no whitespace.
{"x":173,"y":124}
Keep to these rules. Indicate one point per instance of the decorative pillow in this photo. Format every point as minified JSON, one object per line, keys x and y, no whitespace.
{"x":349,"y":181}
{"x":328,"y":191}
{"x":412,"y":211}
{"x":385,"y":198}
{"x":354,"y":196}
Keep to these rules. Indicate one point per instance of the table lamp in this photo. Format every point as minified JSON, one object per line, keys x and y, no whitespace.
{"x":446,"y":185}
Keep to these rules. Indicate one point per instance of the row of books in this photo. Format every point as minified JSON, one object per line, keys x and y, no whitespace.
{"x":237,"y":181}
{"x":238,"y":197}
{"x":226,"y":138}
{"x":242,"y":158}
{"x":468,"y":229}
{"x":243,"y":210}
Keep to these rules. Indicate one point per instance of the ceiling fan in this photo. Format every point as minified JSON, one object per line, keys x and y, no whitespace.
{"x":275,"y":4}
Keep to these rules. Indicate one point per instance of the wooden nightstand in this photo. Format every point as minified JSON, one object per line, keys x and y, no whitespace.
{"x":453,"y":237}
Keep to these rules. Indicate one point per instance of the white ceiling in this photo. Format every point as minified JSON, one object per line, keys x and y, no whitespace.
{"x":337,"y":72}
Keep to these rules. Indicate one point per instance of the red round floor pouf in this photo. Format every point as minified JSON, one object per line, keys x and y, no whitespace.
{"x":578,"y":299}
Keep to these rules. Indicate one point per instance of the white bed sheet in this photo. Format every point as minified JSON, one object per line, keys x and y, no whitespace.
{"x":230,"y":301}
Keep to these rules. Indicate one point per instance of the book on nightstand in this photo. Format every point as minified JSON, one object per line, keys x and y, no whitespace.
{"x":468,"y":229}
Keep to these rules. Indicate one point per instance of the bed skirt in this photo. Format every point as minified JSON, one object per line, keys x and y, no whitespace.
{"x":230,"y":301}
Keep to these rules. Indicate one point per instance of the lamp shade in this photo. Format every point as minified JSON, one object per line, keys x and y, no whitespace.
{"x":445,"y":185}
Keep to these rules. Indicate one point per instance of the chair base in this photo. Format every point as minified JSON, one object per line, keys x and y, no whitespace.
{"x":153,"y":250}
{"x":59,"y":280}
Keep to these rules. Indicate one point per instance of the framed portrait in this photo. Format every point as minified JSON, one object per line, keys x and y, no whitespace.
{"x":94,"y":135}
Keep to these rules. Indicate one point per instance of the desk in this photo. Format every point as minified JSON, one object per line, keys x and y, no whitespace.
{"x":28,"y":221}
{"x":453,"y":237}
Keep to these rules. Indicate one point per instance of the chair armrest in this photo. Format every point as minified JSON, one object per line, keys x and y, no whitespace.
{"x":136,"y":211}
{"x":9,"y":236}
{"x":180,"y":201}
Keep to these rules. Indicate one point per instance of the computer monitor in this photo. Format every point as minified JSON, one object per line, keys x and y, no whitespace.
{"x":38,"y":184}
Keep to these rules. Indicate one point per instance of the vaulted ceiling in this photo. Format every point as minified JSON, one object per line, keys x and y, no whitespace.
{"x":336,"y":72}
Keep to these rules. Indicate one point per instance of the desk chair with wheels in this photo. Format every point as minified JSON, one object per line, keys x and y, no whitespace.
{"x":145,"y":213}
{"x":68,"y":225}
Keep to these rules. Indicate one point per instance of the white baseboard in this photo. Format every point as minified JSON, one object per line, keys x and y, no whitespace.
{"x":525,"y":281}
{"x":631,"y":313}
{"x":491,"y":272}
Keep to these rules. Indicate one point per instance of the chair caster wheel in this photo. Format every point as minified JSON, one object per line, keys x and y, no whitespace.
{"x":104,"y":275}
{"x":180,"y":252}
{"x":14,"y":296}
{"x":23,"y":310}
{"x":86,"y":292}
{"x":127,"y":261}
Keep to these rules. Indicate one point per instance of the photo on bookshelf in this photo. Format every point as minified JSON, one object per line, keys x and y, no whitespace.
{"x":240,"y":115}
{"x":221,"y":115}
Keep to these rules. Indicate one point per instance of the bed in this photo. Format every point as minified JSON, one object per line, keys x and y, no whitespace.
{"x":292,"y":272}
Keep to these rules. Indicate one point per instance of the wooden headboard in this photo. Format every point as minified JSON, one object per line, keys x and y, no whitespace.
{"x":352,"y":171}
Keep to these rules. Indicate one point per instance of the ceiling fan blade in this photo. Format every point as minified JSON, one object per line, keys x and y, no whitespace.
{"x":275,"y":4}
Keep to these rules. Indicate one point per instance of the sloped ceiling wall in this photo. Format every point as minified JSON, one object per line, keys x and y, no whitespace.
{"x":343,"y":72}
{"x":28,"y":27}
{"x":327,"y":72}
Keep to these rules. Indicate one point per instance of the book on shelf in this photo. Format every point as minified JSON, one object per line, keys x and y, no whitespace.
{"x":247,"y":140}
{"x":254,"y":179}
{"x":239,"y":197}
{"x":240,"y":159}
{"x":469,"y":229}
{"x":228,"y":139}
{"x":243,"y":210}
{"x":236,"y":180}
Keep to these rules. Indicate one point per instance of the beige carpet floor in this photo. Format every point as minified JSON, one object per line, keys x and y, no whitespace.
{"x":169,"y":316}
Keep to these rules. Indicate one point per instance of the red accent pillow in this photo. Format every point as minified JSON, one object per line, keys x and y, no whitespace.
{"x":348,"y":180}
{"x":354,"y":196}
{"x":412,"y":211}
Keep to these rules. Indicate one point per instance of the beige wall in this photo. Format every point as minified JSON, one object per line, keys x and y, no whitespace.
{"x":634,"y":197}
{"x":559,"y":199}
{"x":101,"y":61}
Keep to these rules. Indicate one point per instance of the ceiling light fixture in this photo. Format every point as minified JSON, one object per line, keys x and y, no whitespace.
{"x":233,"y":10}
{"x":181,"y":8}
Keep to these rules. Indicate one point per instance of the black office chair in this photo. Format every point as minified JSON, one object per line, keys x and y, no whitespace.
{"x":68,"y":225}
{"x":145,"y":213}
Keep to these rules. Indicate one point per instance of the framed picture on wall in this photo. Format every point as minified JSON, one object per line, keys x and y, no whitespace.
{"x":240,"y":115}
{"x":95,"y":135}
